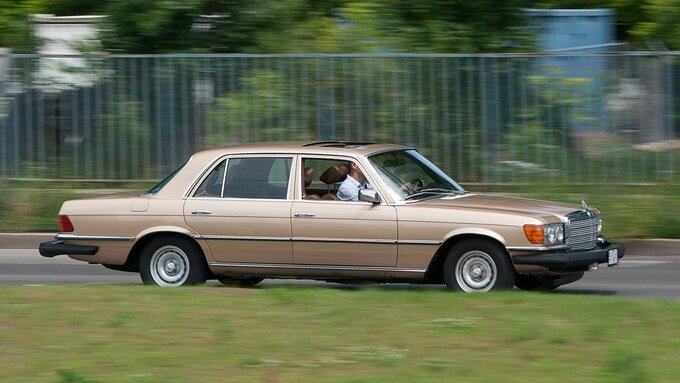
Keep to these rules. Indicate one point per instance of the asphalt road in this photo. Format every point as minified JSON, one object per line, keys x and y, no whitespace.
{"x":636,"y":276}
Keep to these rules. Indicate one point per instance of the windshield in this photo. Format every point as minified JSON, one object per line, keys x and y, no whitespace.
{"x":164,"y":181}
{"x":410,"y":176}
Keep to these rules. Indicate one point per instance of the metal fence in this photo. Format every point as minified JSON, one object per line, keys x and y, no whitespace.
{"x":486,"y":118}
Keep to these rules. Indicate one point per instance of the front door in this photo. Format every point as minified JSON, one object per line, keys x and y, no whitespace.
{"x":328,"y":231}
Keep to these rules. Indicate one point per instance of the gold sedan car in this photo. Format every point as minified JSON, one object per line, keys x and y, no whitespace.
{"x":335,"y":211}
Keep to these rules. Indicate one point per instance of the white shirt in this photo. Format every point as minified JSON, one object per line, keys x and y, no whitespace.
{"x":349,"y":189}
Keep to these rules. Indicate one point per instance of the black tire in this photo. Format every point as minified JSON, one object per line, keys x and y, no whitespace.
{"x":535,"y":283}
{"x":240,"y":282}
{"x":476,"y":265}
{"x":172,"y":262}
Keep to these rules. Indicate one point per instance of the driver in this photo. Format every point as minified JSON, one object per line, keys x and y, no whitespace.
{"x":355,"y":181}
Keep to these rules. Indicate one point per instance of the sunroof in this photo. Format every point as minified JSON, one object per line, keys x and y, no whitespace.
{"x":338,"y":144}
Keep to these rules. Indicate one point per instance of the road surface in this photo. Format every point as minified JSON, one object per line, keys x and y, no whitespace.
{"x":636,"y":276}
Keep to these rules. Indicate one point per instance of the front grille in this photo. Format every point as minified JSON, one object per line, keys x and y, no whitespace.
{"x":582,"y":230}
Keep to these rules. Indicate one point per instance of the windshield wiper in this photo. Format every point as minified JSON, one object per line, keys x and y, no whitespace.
{"x":433,"y":191}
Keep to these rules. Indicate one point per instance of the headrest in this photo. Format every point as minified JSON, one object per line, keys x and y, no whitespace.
{"x":334,"y":174}
{"x":309,"y":176}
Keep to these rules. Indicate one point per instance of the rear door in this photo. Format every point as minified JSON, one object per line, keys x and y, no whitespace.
{"x":241,"y":208}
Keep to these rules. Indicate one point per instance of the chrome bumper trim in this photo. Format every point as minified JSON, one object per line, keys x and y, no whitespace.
{"x":72,"y":237}
{"x":542,"y":248}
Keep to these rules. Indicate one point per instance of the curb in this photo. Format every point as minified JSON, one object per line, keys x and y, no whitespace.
{"x":634,"y":247}
{"x":24,"y":240}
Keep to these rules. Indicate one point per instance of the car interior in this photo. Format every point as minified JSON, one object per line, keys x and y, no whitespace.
{"x":325,"y":187}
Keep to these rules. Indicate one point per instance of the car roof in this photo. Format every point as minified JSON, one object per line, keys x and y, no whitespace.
{"x":304,"y":147}
{"x":200,"y":160}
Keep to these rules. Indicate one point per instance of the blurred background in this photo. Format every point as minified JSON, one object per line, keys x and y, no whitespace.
{"x":529,"y":93}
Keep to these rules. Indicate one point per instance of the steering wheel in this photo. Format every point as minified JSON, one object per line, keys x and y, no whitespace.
{"x":413,"y":186}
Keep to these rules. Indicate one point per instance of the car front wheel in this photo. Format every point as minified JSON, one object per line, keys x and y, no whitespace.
{"x":478,"y":266}
{"x":172,"y":262}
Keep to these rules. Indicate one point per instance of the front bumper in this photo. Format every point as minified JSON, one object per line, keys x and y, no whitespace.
{"x":57,"y":247}
{"x":567,"y":261}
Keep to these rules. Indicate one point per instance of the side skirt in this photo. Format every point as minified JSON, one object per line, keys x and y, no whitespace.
{"x":376,"y":273}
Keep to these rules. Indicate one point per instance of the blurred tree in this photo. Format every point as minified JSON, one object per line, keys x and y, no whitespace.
{"x":662,"y":22}
{"x":73,"y":7}
{"x":16,"y":30}
{"x":273,"y":26}
{"x":150,"y":26}
{"x":455,"y":25}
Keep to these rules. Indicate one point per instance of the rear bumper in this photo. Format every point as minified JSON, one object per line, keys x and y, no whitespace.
{"x":57,"y":247}
{"x":570,"y":260}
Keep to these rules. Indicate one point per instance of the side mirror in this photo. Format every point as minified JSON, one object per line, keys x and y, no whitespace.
{"x":369,"y":195}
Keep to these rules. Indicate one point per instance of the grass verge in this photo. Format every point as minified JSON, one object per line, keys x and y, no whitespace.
{"x":301,"y":334}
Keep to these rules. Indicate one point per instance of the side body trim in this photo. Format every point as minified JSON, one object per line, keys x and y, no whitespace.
{"x":316,"y":267}
{"x":315,"y":239}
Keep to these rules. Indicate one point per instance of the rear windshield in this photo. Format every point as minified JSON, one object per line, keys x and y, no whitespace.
{"x":164,"y":181}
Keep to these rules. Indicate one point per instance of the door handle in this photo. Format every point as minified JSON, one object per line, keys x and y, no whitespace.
{"x":303,"y":215}
{"x":202,"y":212}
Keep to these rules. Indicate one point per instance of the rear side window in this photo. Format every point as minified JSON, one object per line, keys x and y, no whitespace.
{"x":248,"y":177}
{"x":156,"y":188}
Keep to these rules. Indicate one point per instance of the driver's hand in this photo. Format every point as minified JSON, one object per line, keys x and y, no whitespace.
{"x":408,"y":188}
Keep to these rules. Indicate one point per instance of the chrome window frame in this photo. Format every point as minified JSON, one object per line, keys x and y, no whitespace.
{"x":189,"y":193}
{"x":357,"y":160}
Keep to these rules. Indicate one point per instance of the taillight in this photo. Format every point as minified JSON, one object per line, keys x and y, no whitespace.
{"x":64,"y":223}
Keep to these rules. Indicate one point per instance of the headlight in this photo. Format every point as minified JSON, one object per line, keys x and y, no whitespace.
{"x":554,"y":234}
{"x":599,"y":224}
{"x":549,"y":234}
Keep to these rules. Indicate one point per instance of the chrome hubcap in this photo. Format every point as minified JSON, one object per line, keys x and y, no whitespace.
{"x":476,"y":271}
{"x":169,"y":266}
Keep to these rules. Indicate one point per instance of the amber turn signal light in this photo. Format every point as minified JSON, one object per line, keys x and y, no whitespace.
{"x":534,"y":233}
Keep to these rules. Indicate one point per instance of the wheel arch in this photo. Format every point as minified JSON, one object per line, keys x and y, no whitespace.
{"x":132,"y":262}
{"x":435,"y":270}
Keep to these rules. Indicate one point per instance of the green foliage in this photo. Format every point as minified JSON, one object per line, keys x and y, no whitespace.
{"x":16,"y":30}
{"x":151,"y":26}
{"x":662,"y":22}
{"x":263,"y":97}
{"x":557,"y":107}
{"x":272,"y":26}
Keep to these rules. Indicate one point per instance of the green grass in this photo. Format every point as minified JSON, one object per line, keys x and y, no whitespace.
{"x":629,"y":211}
{"x":143,"y":334}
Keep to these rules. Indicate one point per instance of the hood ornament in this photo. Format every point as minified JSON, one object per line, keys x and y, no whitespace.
{"x":583,"y":203}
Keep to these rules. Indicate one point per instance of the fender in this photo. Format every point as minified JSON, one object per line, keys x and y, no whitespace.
{"x":174,"y":229}
{"x":475,"y":231}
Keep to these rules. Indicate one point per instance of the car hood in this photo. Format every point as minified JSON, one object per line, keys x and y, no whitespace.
{"x":502,"y":204}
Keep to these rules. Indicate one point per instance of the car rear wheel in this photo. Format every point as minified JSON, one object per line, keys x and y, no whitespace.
{"x":478,"y":266}
{"x":240,"y":282}
{"x":172,"y":262}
